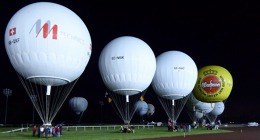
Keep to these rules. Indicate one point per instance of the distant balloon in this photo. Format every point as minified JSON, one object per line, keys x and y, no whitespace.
{"x":218,"y":108}
{"x":141,"y":108}
{"x":195,"y":105}
{"x":78,"y":104}
{"x":214,"y":84}
{"x":191,"y":102}
{"x":127,"y":65}
{"x":175,"y":76}
{"x":151,"y":110}
{"x":52,"y":46}
{"x":198,"y":115}
{"x":204,"y":107}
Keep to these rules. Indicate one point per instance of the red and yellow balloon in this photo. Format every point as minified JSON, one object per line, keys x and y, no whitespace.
{"x":214,"y":84}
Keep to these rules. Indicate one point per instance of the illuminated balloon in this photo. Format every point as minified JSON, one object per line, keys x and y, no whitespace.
{"x":48,"y":43}
{"x":78,"y":104}
{"x":141,"y":108}
{"x":191,"y":102}
{"x":204,"y":107}
{"x":175,"y":75}
{"x":151,"y":110}
{"x":195,"y":105}
{"x":214,"y":84}
{"x":49,"y":46}
{"x":198,"y":115}
{"x":218,"y":108}
{"x":127,"y":65}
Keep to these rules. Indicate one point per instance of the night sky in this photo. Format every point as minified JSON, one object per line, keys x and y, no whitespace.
{"x":211,"y":33}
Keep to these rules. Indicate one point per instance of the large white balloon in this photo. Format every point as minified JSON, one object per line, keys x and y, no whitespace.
{"x":48,"y":43}
{"x":127,"y":65}
{"x":175,"y":75}
{"x":218,"y":108}
{"x":141,"y":108}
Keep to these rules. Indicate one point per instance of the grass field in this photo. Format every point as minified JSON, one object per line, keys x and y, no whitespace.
{"x":104,"y":134}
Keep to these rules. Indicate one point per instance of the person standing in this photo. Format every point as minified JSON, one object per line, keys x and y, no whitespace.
{"x":41,"y":131}
{"x":34,"y":129}
{"x":58,"y":131}
{"x":46,"y":131}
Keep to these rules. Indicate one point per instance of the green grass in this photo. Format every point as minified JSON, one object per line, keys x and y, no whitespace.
{"x":106,"y":134}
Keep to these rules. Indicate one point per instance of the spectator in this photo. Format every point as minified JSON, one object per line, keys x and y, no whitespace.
{"x":46,"y":131}
{"x":184,"y":127}
{"x":58,"y":131}
{"x":53,"y":131}
{"x":41,"y":131}
{"x":50,"y":131}
{"x":34,"y":129}
{"x":189,"y":127}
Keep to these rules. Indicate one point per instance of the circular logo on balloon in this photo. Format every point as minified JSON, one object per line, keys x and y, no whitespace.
{"x":211,"y":84}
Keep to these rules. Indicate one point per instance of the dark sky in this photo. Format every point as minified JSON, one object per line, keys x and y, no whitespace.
{"x":211,"y":33}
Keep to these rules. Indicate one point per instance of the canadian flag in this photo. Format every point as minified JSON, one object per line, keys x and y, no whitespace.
{"x":12,"y":31}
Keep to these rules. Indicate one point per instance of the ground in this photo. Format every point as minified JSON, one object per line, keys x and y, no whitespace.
{"x":240,"y":133}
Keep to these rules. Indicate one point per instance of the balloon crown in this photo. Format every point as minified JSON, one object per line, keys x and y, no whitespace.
{"x":210,"y":72}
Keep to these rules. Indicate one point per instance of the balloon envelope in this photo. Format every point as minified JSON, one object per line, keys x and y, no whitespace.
{"x":47,"y":43}
{"x":214,"y":84}
{"x":191,"y":102}
{"x":151,"y":110}
{"x":198,"y":115}
{"x":204,"y":107}
{"x":141,"y":108}
{"x":218,"y":108}
{"x":78,"y":104}
{"x":127,"y":65}
{"x":175,"y":75}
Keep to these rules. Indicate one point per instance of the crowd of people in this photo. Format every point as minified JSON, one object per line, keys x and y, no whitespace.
{"x":182,"y":127}
{"x":187,"y":127}
{"x":47,"y":131}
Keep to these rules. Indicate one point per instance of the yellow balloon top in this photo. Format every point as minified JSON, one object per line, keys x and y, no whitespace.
{"x":214,"y":84}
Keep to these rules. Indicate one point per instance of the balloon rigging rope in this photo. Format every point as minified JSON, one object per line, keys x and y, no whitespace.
{"x":124,"y":109}
{"x":173,"y":112}
{"x":81,"y":116}
{"x":47,"y":106}
{"x":30,"y":90}
{"x":211,"y":117}
{"x":60,"y":97}
{"x":191,"y":115}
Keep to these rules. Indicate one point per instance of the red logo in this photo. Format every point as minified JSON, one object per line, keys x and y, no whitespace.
{"x":12,"y":31}
{"x":211,"y":84}
{"x":46,"y":29}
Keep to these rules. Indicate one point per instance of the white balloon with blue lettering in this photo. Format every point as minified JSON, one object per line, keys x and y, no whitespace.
{"x":175,"y":76}
{"x":127,"y":65}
